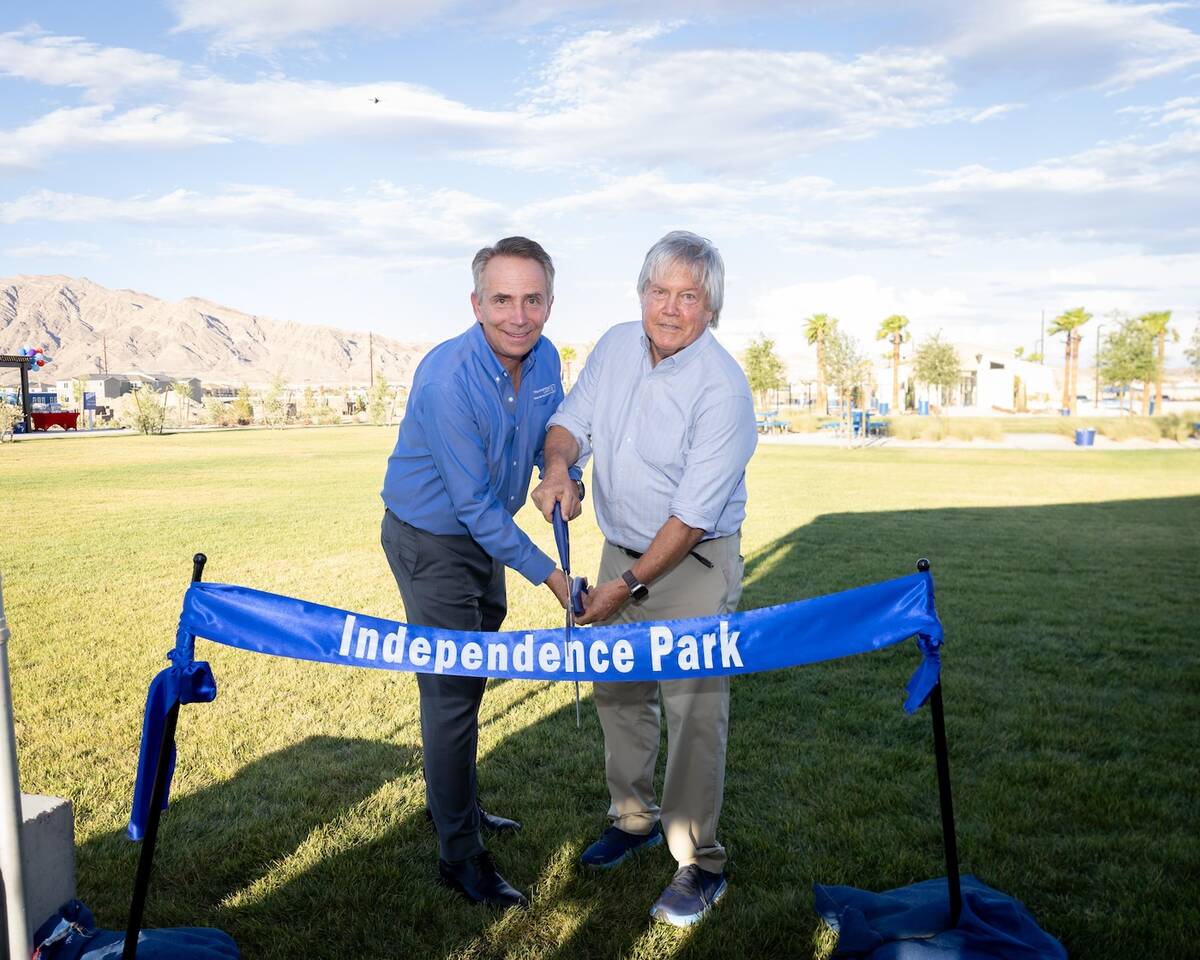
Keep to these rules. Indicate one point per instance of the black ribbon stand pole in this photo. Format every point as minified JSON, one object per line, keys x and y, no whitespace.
{"x":141,"y":883}
{"x":942,"y":757}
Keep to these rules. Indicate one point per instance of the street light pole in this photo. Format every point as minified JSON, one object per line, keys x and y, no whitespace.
{"x":1099,"y":327}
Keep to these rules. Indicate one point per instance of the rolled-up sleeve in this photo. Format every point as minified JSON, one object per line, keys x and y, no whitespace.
{"x":460,"y":458}
{"x":722,"y":443}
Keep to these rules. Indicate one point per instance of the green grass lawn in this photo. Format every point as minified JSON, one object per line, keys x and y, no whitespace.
{"x":1067,"y":583}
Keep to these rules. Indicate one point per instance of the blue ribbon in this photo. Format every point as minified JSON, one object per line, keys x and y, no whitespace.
{"x":771,"y":638}
{"x":183,"y":682}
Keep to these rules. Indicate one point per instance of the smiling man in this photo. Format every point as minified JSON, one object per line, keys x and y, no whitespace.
{"x":668,"y":416}
{"x":471,"y":435}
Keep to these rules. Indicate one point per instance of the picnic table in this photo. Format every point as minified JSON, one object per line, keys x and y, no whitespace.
{"x":769,"y":422}
{"x":65,"y":419}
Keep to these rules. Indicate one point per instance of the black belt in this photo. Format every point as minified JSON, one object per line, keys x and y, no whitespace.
{"x":633,"y":553}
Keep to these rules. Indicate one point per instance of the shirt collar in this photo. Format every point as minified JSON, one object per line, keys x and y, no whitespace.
{"x":685,"y":356}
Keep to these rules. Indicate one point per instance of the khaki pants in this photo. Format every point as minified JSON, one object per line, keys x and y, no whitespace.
{"x":697,"y":713}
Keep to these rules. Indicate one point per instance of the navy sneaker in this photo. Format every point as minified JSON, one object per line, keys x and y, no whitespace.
{"x":691,"y":893}
{"x":615,"y":845}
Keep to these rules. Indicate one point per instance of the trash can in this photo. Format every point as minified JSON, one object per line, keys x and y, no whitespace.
{"x":1085,"y":438}
{"x":923,"y":408}
{"x":883,"y":408}
{"x":1151,"y":408}
{"x":1065,"y":411}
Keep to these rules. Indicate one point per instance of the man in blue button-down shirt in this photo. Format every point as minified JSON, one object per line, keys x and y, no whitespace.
{"x":668,"y":418}
{"x":471,"y":435}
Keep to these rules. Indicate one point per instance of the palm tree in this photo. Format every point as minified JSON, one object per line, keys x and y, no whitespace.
{"x":567,"y":355}
{"x":1067,"y":322}
{"x":816,"y":329}
{"x":1157,"y":323}
{"x":893,"y":329}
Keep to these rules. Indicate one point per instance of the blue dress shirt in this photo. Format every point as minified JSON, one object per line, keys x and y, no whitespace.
{"x":468,"y":444}
{"x":671,"y":440}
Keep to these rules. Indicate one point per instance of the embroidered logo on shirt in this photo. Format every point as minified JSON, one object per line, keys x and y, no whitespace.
{"x":544,"y":392}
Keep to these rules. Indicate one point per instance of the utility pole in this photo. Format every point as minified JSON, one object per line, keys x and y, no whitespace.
{"x":371,"y":356}
{"x":1099,"y":327}
{"x":1042,"y":341}
{"x":104,"y":340}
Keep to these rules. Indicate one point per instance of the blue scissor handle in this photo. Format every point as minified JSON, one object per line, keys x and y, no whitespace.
{"x":579,"y":587}
{"x":562,"y":539}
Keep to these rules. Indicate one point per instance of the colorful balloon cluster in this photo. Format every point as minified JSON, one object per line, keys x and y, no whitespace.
{"x":36,"y":354}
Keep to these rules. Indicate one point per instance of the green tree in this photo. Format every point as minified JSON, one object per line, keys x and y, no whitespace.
{"x":568,"y":357}
{"x":846,"y":368}
{"x":936,"y":364}
{"x":1192,"y":351}
{"x":764,"y":369}
{"x":241,"y":407}
{"x":183,"y":393}
{"x":10,"y":416}
{"x":1068,"y":322}
{"x":1128,"y":356}
{"x":377,"y":402}
{"x":275,"y":402}
{"x":143,"y":410}
{"x":218,"y":413}
{"x":308,"y":406}
{"x":817,"y":329}
{"x":1158,"y":323}
{"x":892,"y":330}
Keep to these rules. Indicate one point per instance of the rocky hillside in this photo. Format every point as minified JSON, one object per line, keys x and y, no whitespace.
{"x":78,"y":322}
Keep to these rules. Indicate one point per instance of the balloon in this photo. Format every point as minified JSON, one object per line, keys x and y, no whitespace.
{"x":41,"y":363}
{"x":38,"y":350}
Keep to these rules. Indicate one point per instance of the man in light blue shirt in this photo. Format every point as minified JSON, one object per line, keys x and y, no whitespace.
{"x":472,"y":432}
{"x":668,"y":418}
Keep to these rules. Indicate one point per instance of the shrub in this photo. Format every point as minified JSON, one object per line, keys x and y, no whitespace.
{"x":142,"y":409}
{"x":10,"y":416}
{"x":802,"y":422}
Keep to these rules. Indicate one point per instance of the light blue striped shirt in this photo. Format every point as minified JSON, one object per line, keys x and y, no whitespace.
{"x":666,"y":441}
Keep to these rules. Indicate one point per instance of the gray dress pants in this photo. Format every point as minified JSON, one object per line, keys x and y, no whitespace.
{"x":450,"y":582}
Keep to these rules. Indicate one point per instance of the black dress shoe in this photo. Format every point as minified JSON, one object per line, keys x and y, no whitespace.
{"x":477,"y":880}
{"x":488,"y":822}
{"x":495,"y":824}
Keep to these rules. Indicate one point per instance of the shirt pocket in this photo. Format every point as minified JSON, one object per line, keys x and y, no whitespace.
{"x":660,"y":437}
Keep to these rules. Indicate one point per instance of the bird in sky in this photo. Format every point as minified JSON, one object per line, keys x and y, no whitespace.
{"x":374,"y":99}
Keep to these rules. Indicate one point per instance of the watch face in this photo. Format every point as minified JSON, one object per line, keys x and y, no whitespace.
{"x":640,"y":593}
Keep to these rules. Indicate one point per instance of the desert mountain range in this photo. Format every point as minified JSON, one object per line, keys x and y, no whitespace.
{"x":78,"y":322}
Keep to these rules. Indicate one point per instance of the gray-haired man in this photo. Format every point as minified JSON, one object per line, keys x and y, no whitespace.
{"x":668,"y":418}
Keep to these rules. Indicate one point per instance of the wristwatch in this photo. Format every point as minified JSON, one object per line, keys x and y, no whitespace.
{"x":638,"y":591}
{"x":581,"y":488}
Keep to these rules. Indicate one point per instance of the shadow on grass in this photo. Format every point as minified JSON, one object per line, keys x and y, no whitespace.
{"x":1071,"y":673}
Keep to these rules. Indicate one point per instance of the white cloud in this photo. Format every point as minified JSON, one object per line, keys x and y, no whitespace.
{"x":81,"y":128}
{"x":995,"y":111}
{"x":381,"y":224}
{"x":616,"y":96}
{"x":74,"y":248}
{"x":610,"y":97}
{"x":1074,"y":42}
{"x":102,"y":72}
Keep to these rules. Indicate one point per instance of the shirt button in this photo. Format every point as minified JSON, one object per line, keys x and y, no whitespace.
{"x":514,"y":463}
{"x":510,"y":399}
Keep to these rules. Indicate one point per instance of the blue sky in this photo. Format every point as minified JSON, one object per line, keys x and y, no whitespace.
{"x":968,"y":165}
